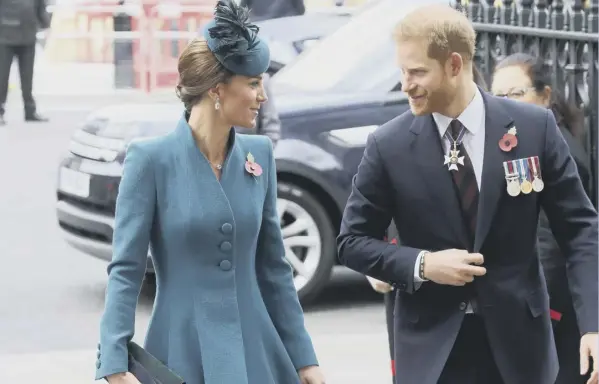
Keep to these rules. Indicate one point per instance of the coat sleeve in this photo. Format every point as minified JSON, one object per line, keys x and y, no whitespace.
{"x":367,"y":216}
{"x":573,"y":221}
{"x":275,"y":278}
{"x":134,"y":216}
{"x":43,"y":18}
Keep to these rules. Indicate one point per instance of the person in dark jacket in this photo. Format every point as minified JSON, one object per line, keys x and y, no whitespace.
{"x":273,"y":9}
{"x":268,"y":122}
{"x":526,"y":78}
{"x":392,"y":236}
{"x":20,"y":21}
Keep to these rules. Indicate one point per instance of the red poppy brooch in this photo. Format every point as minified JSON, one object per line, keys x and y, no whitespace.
{"x":251,"y":166}
{"x":509,"y":140}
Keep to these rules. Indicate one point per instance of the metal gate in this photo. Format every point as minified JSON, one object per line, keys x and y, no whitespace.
{"x":565,"y":36}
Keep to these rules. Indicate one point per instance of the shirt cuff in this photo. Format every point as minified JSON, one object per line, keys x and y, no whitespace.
{"x":417,"y":280}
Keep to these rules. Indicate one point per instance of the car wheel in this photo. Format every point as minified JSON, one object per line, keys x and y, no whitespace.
{"x":308,"y":237}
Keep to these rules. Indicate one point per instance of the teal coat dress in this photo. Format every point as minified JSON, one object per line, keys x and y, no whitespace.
{"x":226,"y":310}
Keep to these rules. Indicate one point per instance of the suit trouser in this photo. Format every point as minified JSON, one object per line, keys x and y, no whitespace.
{"x":471,"y":360}
{"x":25,"y":55}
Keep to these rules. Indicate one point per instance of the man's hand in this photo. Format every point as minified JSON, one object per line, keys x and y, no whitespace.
{"x":311,"y":375}
{"x":453,"y":267}
{"x":379,"y":286}
{"x":588,"y":349}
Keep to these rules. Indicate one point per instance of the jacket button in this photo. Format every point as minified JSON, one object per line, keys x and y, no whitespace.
{"x":98,"y":346}
{"x":98,"y":364}
{"x":98,"y":354}
{"x":463,"y":306}
{"x":226,"y":246}
{"x":225,"y":265}
{"x":226,"y":228}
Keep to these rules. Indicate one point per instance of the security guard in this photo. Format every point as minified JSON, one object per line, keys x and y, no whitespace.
{"x":19,"y":24}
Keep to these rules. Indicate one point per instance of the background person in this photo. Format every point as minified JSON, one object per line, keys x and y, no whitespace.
{"x":526,"y":78}
{"x":268,"y":122}
{"x":20,"y":21}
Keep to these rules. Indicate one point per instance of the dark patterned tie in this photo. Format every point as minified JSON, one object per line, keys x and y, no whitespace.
{"x":465,"y":182}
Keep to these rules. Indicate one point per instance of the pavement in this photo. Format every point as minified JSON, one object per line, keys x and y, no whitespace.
{"x":52,"y":295}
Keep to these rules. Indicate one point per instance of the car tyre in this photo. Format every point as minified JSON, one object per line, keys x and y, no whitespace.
{"x":316,"y":211}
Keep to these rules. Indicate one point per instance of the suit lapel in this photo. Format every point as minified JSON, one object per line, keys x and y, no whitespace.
{"x":497,"y":122}
{"x":427,"y":152}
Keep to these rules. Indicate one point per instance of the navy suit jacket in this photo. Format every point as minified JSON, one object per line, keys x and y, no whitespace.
{"x":402,"y":177}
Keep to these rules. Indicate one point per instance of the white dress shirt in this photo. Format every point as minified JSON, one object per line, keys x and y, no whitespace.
{"x":473,"y":118}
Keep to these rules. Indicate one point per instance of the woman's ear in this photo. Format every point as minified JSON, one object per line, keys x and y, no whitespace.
{"x":215,"y":93}
{"x":546,"y":94}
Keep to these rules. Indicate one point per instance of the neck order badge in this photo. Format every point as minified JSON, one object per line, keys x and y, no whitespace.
{"x":454,"y":157}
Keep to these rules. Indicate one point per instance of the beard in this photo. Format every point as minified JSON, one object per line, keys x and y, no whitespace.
{"x":436,"y":100}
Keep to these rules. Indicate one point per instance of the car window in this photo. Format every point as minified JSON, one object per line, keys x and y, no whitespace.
{"x":330,"y":64}
{"x":359,"y":56}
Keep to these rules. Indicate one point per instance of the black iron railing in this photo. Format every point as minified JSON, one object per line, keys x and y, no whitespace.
{"x":566,"y":36}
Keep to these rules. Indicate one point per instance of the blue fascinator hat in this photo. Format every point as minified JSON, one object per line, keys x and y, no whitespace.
{"x":234,"y":40}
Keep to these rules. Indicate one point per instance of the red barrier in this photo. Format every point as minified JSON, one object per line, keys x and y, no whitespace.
{"x":172,"y":26}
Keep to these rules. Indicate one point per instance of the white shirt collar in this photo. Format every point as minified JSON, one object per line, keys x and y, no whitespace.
{"x":471,"y":117}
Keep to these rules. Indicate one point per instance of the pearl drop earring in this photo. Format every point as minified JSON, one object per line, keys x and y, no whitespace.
{"x":217,"y":104}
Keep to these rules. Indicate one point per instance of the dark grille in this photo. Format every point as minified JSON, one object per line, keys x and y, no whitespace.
{"x":86,"y":204}
{"x":84,"y":233}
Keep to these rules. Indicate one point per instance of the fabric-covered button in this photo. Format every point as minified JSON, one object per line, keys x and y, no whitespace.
{"x":225,"y":246}
{"x":225,"y":265}
{"x":98,"y":364}
{"x":98,"y":354}
{"x":463,"y":306}
{"x":227,"y":228}
{"x":98,"y":346}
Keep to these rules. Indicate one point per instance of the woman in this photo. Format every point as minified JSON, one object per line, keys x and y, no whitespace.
{"x":526,"y":78}
{"x":226,"y":310}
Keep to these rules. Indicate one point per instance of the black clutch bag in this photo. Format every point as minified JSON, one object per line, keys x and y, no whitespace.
{"x":149,"y":370}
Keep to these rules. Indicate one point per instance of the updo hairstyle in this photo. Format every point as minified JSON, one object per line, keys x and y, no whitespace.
{"x":199,"y":71}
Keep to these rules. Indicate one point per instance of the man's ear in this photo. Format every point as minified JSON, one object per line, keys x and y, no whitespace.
{"x":455,"y":63}
{"x":547,"y":95}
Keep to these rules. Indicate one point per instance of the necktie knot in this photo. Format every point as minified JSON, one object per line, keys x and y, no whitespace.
{"x":455,"y":127}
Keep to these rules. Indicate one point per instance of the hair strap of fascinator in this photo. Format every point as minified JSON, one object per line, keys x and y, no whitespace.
{"x":233,"y":34}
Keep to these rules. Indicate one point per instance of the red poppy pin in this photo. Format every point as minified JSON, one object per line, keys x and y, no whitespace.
{"x":251,"y":166}
{"x":509,"y":140}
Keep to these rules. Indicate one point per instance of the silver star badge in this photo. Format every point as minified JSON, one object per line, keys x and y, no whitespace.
{"x":453,"y":160}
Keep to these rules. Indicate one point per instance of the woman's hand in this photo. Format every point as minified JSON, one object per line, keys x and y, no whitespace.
{"x":311,"y":375}
{"x":379,"y":286}
{"x":122,"y":378}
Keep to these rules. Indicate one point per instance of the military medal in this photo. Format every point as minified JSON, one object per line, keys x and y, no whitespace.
{"x":537,"y":183}
{"x":513,"y":187}
{"x":525,"y":185}
{"x":454,"y":157}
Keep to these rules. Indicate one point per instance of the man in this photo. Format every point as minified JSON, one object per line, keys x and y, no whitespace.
{"x":472,"y":306}
{"x":272,"y":9}
{"x":19,"y":23}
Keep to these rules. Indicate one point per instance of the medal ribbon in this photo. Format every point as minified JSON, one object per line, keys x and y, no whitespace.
{"x":458,"y":141}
